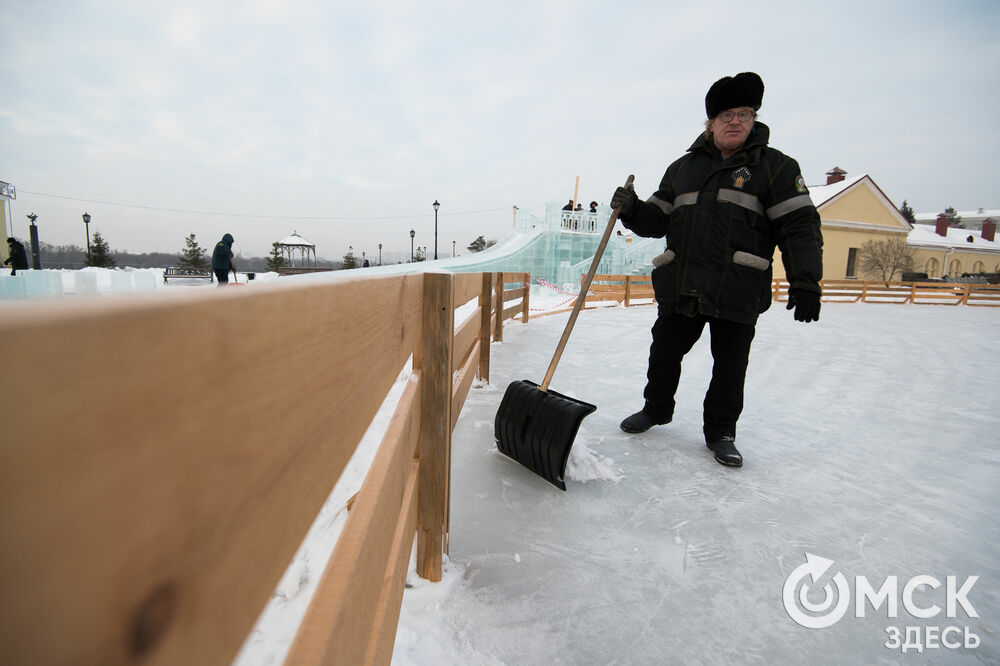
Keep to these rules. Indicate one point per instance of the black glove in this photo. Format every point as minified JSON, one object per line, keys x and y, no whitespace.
{"x":625,"y":198}
{"x":806,"y":304}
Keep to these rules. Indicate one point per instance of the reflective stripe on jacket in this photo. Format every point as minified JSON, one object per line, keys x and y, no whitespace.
{"x":723,"y":220}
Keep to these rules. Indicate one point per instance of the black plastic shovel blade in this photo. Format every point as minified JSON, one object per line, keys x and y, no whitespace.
{"x":537,"y":428}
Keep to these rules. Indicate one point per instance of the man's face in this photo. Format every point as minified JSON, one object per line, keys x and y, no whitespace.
{"x":729,"y":132}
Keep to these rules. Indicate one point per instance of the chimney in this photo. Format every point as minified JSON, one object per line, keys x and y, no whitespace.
{"x":835,"y":175}
{"x":989,"y":229}
{"x":941,"y":227}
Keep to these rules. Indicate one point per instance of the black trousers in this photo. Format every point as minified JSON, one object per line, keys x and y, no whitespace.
{"x":673,"y":336}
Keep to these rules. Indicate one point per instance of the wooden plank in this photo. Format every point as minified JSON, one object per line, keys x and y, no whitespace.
{"x":462,"y":384}
{"x":159,"y":536}
{"x":340,"y":620}
{"x":467,"y":287}
{"x":498,"y":307}
{"x":391,"y":598}
{"x":512,"y":294}
{"x":485,"y":328}
{"x":435,"y":419}
{"x":526,"y":301}
{"x":512,"y":311}
{"x":465,"y":339}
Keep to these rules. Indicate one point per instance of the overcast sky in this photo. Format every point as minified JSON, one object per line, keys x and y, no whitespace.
{"x":345,"y":121}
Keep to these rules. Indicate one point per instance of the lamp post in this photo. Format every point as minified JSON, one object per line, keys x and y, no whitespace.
{"x":412,"y":234}
{"x":86,"y":222}
{"x":36,"y":260}
{"x":363,"y":260}
{"x":453,"y":249}
{"x":436,"y":206}
{"x":380,"y":254}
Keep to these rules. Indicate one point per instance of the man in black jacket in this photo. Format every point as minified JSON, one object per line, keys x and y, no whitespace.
{"x":18,"y":257}
{"x":222,"y":259}
{"x":724,"y":207}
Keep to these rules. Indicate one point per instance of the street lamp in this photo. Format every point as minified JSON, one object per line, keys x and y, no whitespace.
{"x":36,"y":260}
{"x":436,"y":206}
{"x":380,"y":254}
{"x":453,"y":249}
{"x":86,"y":222}
{"x":363,"y":260}
{"x":412,"y":234}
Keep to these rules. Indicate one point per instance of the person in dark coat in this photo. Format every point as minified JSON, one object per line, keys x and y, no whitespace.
{"x":724,"y":207}
{"x":17,"y":258}
{"x":222,"y":259}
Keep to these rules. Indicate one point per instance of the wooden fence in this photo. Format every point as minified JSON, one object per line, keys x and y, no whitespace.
{"x":918,"y":293}
{"x":164,"y":457}
{"x":638,"y":290}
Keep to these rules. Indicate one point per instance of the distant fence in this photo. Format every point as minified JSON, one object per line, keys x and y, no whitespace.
{"x":917,"y":293}
{"x":163,"y":460}
{"x":638,"y":290}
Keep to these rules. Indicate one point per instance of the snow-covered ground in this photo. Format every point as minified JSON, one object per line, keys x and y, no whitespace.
{"x":870,"y":439}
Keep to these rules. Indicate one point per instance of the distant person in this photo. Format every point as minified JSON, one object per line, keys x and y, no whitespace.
{"x":724,"y":207}
{"x":593,"y":206}
{"x":222,"y":259}
{"x":18,"y":257}
{"x":366,"y":264}
{"x":579,"y":207}
{"x":568,"y":206}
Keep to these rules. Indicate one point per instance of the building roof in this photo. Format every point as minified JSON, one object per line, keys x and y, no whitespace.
{"x":825,"y":195}
{"x":957,"y":238}
{"x":980,"y":214}
{"x":296,"y":240}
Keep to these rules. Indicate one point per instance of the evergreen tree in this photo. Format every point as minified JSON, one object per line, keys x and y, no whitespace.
{"x":480,"y":244}
{"x":275,"y":260}
{"x":100,"y":252}
{"x":349,"y":260}
{"x":194,"y":256}
{"x":907,"y":212}
{"x":954,"y":219}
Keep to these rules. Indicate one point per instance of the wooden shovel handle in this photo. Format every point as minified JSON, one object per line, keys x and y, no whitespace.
{"x":584,"y":288}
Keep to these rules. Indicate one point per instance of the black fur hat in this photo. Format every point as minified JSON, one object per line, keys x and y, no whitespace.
{"x":744,"y":89}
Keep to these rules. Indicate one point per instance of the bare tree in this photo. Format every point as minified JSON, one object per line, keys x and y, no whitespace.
{"x":883,"y":259}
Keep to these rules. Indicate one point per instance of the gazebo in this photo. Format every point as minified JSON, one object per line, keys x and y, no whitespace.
{"x":293,"y":245}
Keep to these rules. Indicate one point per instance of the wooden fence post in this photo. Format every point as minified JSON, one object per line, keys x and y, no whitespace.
{"x":526,"y":285}
{"x":485,"y":329}
{"x":498,"y":335}
{"x":435,"y":423}
{"x":628,"y":289}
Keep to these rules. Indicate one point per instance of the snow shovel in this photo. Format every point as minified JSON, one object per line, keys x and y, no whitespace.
{"x":535,"y":426}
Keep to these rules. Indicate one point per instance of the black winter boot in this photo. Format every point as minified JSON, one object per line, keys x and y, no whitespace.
{"x":641,"y":422}
{"x":725,"y":451}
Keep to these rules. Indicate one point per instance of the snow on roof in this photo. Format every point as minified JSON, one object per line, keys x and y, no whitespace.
{"x":295,"y":239}
{"x":980,"y":213}
{"x":820,"y":194}
{"x":957,"y":238}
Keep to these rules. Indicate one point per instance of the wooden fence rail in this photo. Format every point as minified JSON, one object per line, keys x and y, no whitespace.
{"x":163,"y":459}
{"x":638,"y":290}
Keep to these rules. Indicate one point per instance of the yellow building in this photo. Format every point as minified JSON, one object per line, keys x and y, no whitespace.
{"x":855,"y":210}
{"x":6,"y":195}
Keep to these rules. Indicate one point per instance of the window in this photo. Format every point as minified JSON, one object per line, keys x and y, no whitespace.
{"x":852,"y":259}
{"x":931,"y":267}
